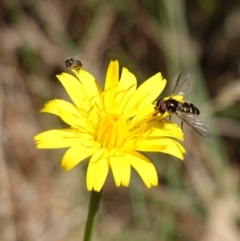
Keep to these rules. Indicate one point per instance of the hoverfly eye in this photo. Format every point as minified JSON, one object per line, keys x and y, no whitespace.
{"x":163,"y":105}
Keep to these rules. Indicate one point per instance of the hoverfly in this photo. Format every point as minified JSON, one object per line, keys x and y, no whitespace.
{"x":73,"y":64}
{"x":184,"y":110}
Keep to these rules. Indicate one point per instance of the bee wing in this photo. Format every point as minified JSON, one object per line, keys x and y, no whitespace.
{"x":183,"y":83}
{"x":195,"y":123}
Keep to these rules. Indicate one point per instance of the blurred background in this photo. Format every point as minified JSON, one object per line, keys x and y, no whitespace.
{"x":197,"y":199}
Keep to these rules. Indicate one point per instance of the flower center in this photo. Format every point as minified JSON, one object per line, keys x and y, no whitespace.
{"x":112,"y":131}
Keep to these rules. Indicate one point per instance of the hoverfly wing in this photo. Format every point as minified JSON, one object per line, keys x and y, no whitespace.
{"x":183,"y":83}
{"x":195,"y":123}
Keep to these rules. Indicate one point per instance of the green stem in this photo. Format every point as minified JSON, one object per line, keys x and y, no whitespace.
{"x":92,"y":214}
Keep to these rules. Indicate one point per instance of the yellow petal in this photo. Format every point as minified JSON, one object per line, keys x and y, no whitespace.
{"x":59,"y":138}
{"x":144,"y":114}
{"x":111,"y":84}
{"x":53,"y":107}
{"x":145,"y":94}
{"x":165,"y":145}
{"x":127,"y":86}
{"x":159,"y":83}
{"x":90,"y":85}
{"x":77,"y":153}
{"x":144,"y":167}
{"x":74,"y":89}
{"x":163,"y":129}
{"x":97,"y":171}
{"x":76,"y":122}
{"x":121,"y":170}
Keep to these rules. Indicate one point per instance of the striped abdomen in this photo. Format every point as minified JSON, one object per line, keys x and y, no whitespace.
{"x":188,"y":108}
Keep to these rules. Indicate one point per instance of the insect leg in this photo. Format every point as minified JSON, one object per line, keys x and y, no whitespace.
{"x":182,"y":125}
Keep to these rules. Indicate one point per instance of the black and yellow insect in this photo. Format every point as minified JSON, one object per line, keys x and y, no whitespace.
{"x":184,"y":110}
{"x":73,"y":64}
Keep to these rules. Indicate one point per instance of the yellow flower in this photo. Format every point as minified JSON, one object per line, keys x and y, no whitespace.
{"x":111,"y":126}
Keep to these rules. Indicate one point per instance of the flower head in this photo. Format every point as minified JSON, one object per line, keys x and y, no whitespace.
{"x":111,"y":126}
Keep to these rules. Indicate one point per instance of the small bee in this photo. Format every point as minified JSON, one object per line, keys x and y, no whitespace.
{"x":184,"y":110}
{"x":73,"y":64}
